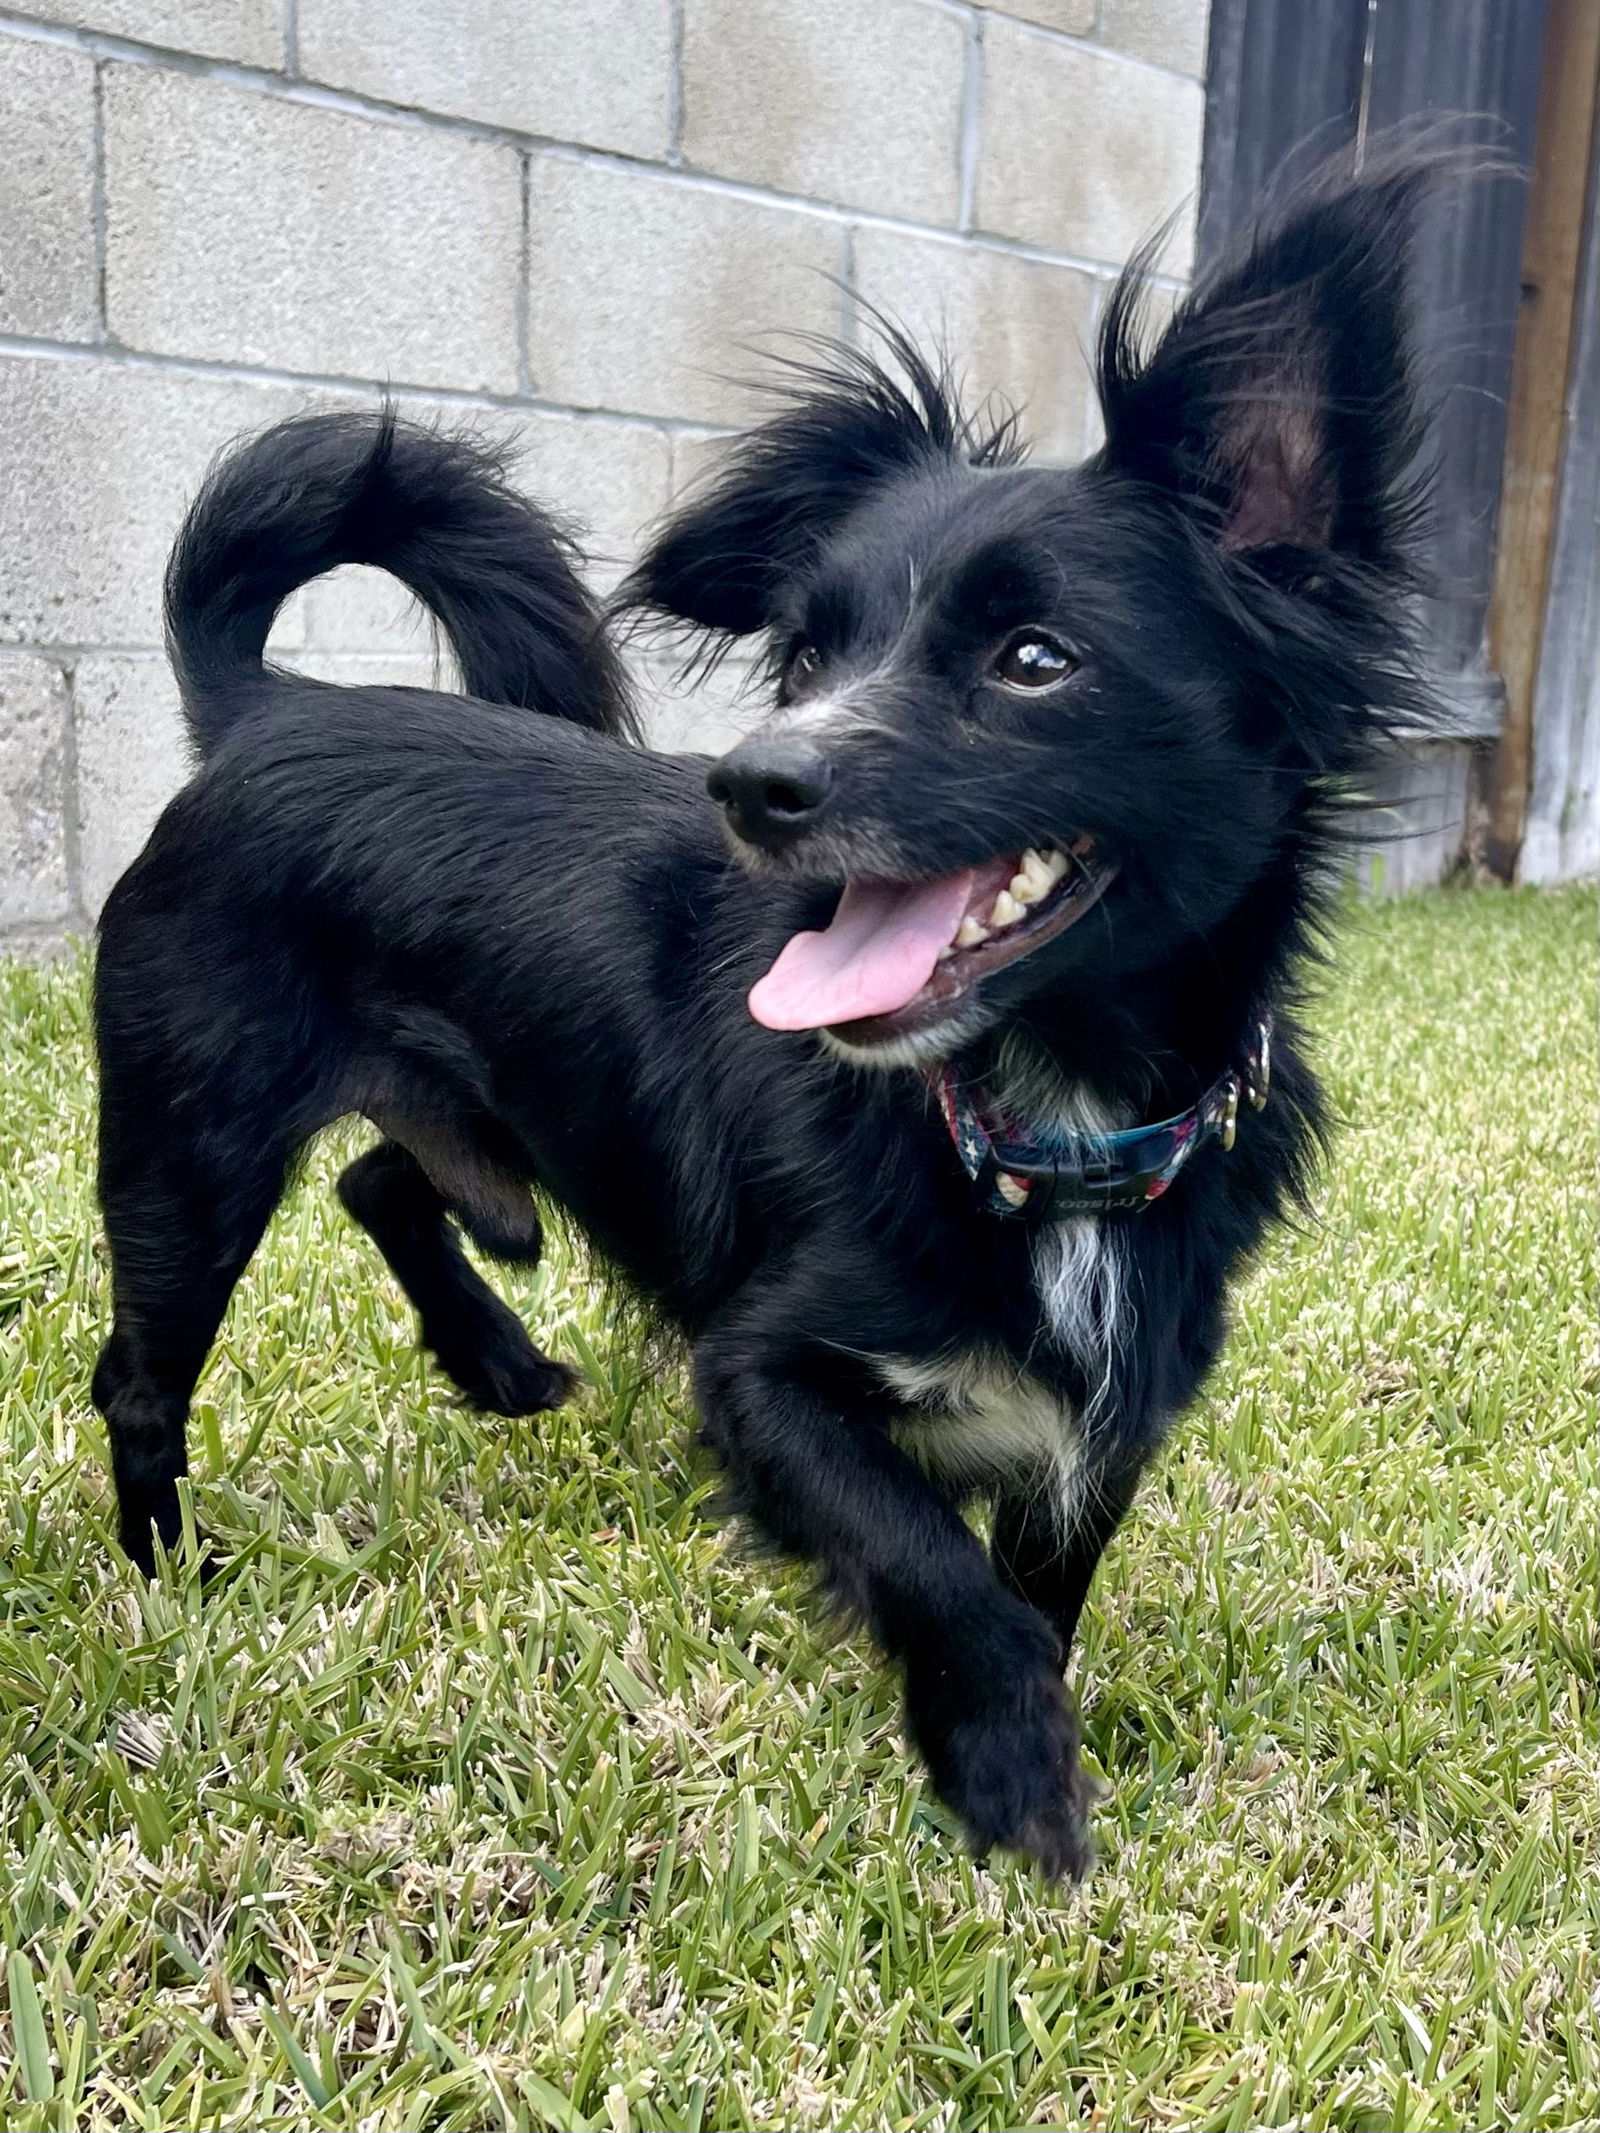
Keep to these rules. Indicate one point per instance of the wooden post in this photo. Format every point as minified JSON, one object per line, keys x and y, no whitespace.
{"x":1569,"y":90}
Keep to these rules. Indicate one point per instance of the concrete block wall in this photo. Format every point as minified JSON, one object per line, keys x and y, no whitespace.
{"x":573,"y":222}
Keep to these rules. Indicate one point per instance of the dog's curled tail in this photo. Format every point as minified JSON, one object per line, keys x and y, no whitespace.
{"x":433,"y":508}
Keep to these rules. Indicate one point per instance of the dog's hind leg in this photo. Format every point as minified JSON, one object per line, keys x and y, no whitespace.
{"x":182,"y":1223}
{"x":480,"y":1343}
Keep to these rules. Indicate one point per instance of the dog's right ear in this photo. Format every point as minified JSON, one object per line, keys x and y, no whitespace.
{"x":850,"y":423}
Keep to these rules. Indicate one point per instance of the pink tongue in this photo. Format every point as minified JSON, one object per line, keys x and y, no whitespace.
{"x":875,"y":957}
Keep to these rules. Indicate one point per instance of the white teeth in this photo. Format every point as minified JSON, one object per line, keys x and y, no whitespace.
{"x":1033,"y":879}
{"x":1037,"y":874}
{"x":946,"y":952}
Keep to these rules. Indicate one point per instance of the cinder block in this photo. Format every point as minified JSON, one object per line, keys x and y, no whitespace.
{"x":133,"y":754}
{"x":361,"y":610}
{"x":696,"y":454}
{"x":289,"y":629}
{"x":48,"y":272}
{"x":251,"y":30}
{"x":97,"y":463}
{"x":33,"y":854}
{"x":1075,"y":17}
{"x":428,"y":666}
{"x":832,"y":99}
{"x":705,"y":715}
{"x":647,"y":293}
{"x":609,"y":480}
{"x":593,"y":71}
{"x":1014,"y":327}
{"x":1085,"y":152}
{"x":1169,"y":33}
{"x":251,"y":230}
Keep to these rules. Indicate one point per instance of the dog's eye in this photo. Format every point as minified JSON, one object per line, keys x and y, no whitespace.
{"x":1031,"y":660}
{"x":805,"y":664}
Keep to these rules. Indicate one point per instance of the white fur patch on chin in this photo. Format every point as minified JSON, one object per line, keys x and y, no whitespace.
{"x":918,"y":1048}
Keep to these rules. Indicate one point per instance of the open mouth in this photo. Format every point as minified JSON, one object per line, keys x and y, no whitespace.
{"x":899,"y":957}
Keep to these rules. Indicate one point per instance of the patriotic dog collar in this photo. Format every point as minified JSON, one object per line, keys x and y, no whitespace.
{"x":1046,"y":1176}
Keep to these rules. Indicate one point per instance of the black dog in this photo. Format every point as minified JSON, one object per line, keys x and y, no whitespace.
{"x":959,"y":1217}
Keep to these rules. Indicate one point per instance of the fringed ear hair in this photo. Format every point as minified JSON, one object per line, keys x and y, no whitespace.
{"x":851,"y":420}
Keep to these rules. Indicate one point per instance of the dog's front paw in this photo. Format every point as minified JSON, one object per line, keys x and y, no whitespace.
{"x":486,"y":1353}
{"x":996,"y":1728}
{"x":138,"y":1539}
{"x":515,"y":1383}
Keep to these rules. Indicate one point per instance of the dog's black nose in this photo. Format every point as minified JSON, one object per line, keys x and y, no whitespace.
{"x":772,"y":789}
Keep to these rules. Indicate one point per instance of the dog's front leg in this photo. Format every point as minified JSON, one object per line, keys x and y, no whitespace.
{"x":1052,"y":1567}
{"x":984,"y":1696}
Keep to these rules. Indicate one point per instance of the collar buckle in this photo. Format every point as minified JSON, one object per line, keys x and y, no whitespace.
{"x":1256,"y":1066}
{"x":1228,"y":1124}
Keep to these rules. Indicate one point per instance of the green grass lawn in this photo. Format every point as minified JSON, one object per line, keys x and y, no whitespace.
{"x":492,"y":1790}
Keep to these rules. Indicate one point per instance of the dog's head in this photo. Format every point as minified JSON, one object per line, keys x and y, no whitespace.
{"x":1041,"y":727}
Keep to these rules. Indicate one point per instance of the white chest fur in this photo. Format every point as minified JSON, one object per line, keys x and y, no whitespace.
{"x":977,"y":1419}
{"x":979,"y":1423}
{"x":1079,"y":1274}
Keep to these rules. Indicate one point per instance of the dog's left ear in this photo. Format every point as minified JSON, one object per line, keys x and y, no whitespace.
{"x":1279,"y":406}
{"x":852,"y":421}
